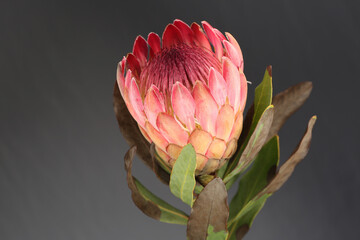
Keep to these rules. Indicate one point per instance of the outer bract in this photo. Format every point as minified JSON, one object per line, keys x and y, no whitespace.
{"x":187,"y":88}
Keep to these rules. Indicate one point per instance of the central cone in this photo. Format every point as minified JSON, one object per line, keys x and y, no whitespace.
{"x":180,"y":63}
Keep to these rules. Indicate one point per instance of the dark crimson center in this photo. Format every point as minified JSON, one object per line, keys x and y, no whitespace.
{"x":182,"y":63}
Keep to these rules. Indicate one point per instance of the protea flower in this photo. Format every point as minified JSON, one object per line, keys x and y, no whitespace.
{"x":187,"y":88}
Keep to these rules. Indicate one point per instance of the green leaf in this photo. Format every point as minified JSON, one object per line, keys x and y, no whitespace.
{"x":221,"y":235}
{"x":256,"y":179}
{"x":253,"y":146}
{"x":147,"y":202}
{"x":263,"y":97}
{"x":182,"y":178}
{"x":221,"y":172}
{"x":239,"y":228}
{"x":198,"y":188}
{"x":169,"y":214}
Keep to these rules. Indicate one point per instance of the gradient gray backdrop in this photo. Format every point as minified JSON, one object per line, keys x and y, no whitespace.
{"x":61,"y":167}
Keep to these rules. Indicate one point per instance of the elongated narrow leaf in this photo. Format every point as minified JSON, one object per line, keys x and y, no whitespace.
{"x":238,"y":229}
{"x":182,"y":178}
{"x":243,"y":209}
{"x":288,"y":102}
{"x":198,"y":188}
{"x":147,"y":202}
{"x":221,"y":172}
{"x":211,"y":235}
{"x":240,"y":233}
{"x":253,"y":146}
{"x":288,"y":167}
{"x":169,"y":214}
{"x":263,"y":98}
{"x":210,"y":209}
{"x":256,"y":179}
{"x":239,"y":224}
{"x":130,"y":129}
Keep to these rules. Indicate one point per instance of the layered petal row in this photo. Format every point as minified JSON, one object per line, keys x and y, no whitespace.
{"x":187,"y":87}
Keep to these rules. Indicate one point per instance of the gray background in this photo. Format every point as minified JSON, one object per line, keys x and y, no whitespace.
{"x":61,"y":167}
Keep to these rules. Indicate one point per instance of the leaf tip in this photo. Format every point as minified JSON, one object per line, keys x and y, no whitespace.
{"x":309,"y":84}
{"x":190,"y":147}
{"x":129,"y":157}
{"x":312,"y":121}
{"x":269,"y":70}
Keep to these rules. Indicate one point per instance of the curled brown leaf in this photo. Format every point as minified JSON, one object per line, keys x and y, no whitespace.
{"x":147,"y":207}
{"x":288,"y":167}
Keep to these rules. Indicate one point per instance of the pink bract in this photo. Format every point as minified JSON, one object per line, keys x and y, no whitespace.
{"x":188,"y":87}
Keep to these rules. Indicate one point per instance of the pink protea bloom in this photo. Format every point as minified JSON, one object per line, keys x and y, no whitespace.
{"x":188,"y":89}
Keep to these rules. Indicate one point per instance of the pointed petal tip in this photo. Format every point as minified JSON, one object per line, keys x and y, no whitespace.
{"x":206,"y":108}
{"x":205,"y":23}
{"x":153,"y":105}
{"x":171,"y":129}
{"x":171,"y":36}
{"x":232,"y":53}
{"x":214,"y":39}
{"x":233,"y":80}
{"x":183,"y":105}
{"x":217,"y":86}
{"x":154,"y":43}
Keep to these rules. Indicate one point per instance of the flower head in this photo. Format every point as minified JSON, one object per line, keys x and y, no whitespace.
{"x":187,"y":88}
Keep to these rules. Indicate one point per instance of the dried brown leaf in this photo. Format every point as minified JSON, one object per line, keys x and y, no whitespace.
{"x":210,"y":208}
{"x":288,"y":167}
{"x":287,"y":103}
{"x":130,"y":129}
{"x":147,"y":207}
